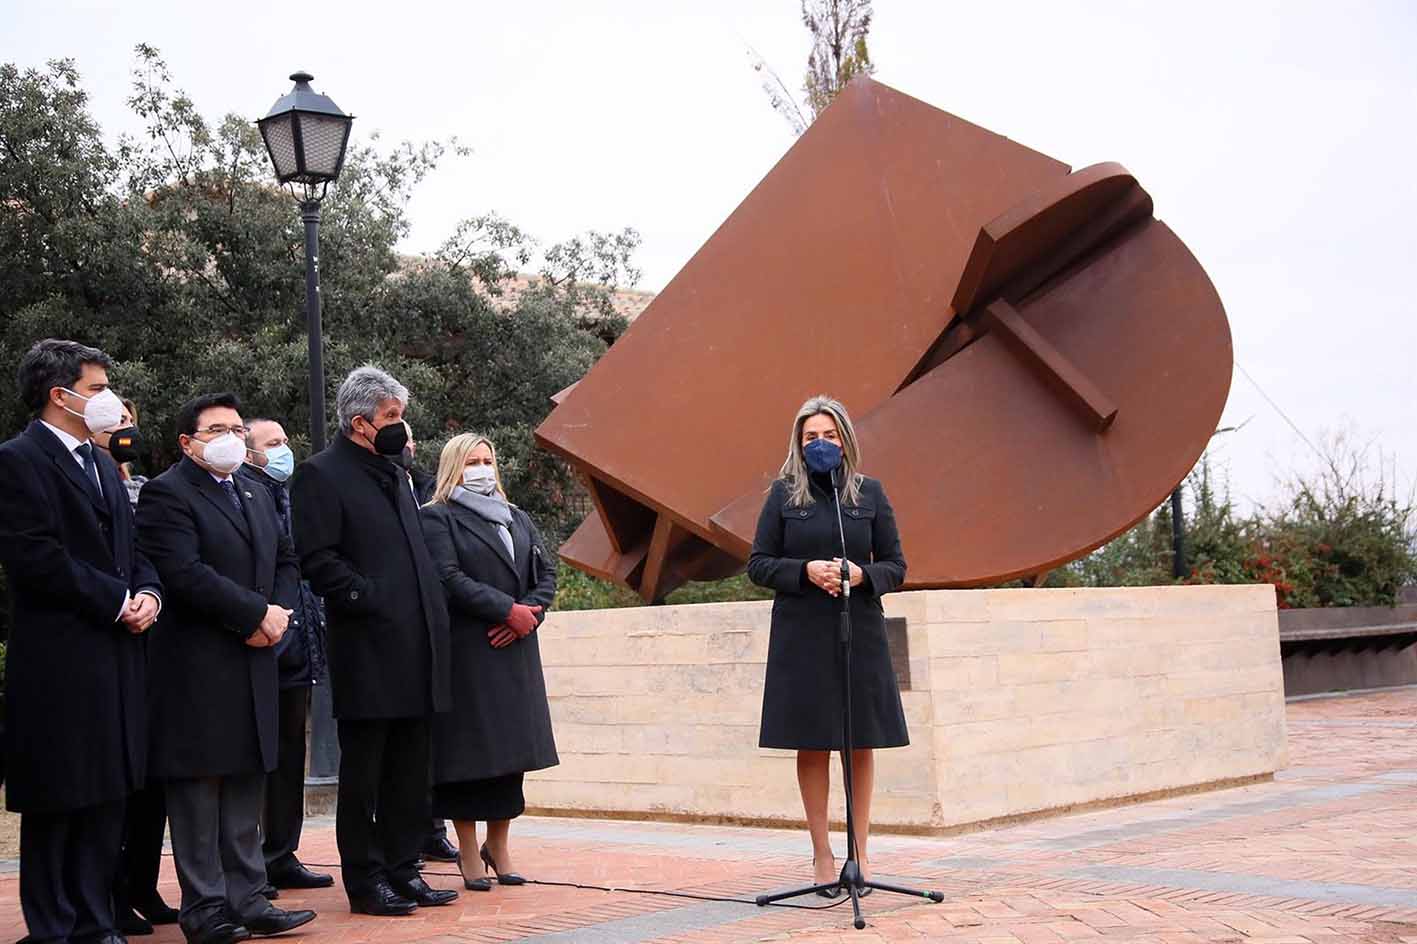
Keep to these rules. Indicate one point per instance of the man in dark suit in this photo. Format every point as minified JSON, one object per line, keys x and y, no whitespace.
{"x":300,"y":664}
{"x":362,"y":549}
{"x":82,"y":593}
{"x":232,"y":576}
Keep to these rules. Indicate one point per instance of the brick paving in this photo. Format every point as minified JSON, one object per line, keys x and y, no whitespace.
{"x":1325,"y":853}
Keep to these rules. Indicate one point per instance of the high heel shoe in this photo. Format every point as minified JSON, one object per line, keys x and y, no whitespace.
{"x":511,"y":878}
{"x":826,"y":892}
{"x":483,"y":884}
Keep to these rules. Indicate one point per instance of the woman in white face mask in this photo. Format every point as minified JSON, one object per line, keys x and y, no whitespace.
{"x":499,"y":580}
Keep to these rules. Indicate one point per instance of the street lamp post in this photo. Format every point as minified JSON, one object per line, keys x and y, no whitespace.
{"x":306,"y":135}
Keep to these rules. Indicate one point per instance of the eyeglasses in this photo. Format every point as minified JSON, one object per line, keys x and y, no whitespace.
{"x":221,"y":429}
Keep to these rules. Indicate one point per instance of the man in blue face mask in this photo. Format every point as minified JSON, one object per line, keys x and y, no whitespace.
{"x":300,"y":659}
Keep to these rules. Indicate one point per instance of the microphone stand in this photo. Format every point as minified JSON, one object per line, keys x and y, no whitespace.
{"x":850,"y":880}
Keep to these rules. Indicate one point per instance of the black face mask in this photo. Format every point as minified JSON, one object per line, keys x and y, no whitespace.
{"x":124,"y":444}
{"x":390,"y":440}
{"x":404,"y":459}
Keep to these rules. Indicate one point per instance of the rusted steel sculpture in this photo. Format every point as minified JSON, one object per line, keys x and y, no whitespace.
{"x":1033,"y":362}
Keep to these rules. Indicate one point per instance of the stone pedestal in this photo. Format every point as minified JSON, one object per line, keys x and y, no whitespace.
{"x":1020,"y":703}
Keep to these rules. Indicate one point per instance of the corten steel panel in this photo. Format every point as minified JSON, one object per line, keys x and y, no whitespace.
{"x":1033,"y":361}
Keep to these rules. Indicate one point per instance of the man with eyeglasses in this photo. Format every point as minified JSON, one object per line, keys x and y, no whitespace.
{"x":233,"y":576}
{"x":83,"y":595}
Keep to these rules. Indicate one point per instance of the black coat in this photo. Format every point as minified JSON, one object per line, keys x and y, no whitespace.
{"x":76,"y":729}
{"x":361,"y":547}
{"x":213,"y":698}
{"x":300,"y":654}
{"x":500,"y":722}
{"x":802,"y":701}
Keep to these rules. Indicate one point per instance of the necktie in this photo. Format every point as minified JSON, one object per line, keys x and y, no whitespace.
{"x":85,"y":451}
{"x":230,"y":490}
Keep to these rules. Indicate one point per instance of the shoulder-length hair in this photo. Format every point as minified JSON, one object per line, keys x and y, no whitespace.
{"x":794,"y":469}
{"x":454,"y":459}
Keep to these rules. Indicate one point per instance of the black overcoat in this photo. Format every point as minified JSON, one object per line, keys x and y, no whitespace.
{"x":500,"y":722}
{"x":802,"y":695}
{"x":300,"y":654}
{"x":213,"y":699}
{"x":361,"y":547}
{"x":75,"y":728}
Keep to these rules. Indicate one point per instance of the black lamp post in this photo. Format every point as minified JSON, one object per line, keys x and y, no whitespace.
{"x":306,"y":135}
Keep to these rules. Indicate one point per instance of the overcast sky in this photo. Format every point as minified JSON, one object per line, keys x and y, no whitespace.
{"x":1279,"y":140}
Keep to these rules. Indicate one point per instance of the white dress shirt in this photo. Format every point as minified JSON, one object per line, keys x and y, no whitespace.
{"x":72,"y":443}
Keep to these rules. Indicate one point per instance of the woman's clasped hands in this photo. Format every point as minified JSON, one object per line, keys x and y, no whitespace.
{"x":518,"y":624}
{"x":827,"y":574}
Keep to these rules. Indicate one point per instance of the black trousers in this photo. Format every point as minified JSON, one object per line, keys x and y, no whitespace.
{"x":383,"y":812}
{"x":284,"y":812}
{"x":144,"y":821}
{"x":68,"y":862}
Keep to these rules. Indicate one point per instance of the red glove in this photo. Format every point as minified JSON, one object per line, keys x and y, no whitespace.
{"x":521,"y":619}
{"x":501,"y":635}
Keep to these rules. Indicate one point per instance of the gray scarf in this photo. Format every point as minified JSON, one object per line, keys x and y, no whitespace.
{"x":494,"y":509}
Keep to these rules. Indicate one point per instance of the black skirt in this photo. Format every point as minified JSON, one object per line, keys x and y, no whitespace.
{"x":480,"y":800}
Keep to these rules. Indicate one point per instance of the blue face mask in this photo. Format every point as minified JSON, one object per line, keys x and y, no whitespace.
{"x":822,"y":456}
{"x":280,"y":463}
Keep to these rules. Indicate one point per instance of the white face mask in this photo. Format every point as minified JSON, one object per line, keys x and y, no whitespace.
{"x":481,"y":479}
{"x":102,"y":411}
{"x":224,"y":454}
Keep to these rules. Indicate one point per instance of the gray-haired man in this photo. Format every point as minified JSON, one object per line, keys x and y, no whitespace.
{"x":361,"y":548}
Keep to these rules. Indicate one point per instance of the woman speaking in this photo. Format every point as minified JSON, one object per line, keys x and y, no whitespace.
{"x":499,"y":584}
{"x":796,"y":552}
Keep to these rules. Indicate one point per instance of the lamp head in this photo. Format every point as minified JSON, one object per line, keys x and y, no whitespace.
{"x":306,"y":135}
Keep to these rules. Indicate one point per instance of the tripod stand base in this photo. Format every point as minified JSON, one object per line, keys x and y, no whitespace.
{"x":851,"y":882}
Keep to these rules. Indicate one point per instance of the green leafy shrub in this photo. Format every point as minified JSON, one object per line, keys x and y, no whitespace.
{"x":1338,"y":537}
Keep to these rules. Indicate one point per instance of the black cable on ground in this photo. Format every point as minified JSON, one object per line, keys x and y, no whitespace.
{"x":635,"y":891}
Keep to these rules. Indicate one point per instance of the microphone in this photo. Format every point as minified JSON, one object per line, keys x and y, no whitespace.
{"x":845,"y":565}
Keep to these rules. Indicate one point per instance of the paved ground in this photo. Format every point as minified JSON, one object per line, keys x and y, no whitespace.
{"x":1325,"y":853}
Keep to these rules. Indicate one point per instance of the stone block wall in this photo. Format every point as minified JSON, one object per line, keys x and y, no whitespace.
{"x":1022,"y":701}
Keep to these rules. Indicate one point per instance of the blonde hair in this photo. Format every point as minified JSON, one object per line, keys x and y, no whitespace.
{"x":794,"y":469}
{"x":454,"y":459}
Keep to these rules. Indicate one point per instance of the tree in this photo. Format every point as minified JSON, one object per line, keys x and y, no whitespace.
{"x":839,"y":29}
{"x":177,"y":254}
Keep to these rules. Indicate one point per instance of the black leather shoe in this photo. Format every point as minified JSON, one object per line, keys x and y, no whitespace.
{"x":269,"y":892}
{"x":423,"y":893}
{"x":220,"y":932}
{"x":156,"y":910}
{"x":133,"y":924}
{"x":439,"y":850}
{"x":382,"y":900}
{"x":276,"y":921}
{"x":108,"y":937}
{"x":298,"y":876}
